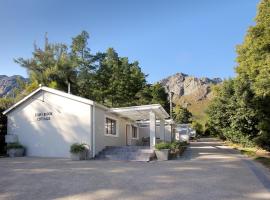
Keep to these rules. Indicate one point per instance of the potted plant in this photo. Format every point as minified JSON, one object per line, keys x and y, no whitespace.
{"x":162,"y":150}
{"x":182,"y":147}
{"x":178,"y":148}
{"x":175,"y":148}
{"x":15,"y":149}
{"x":78,"y":151}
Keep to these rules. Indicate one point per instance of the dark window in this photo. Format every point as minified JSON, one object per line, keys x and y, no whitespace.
{"x":134,"y":132}
{"x":110,"y":126}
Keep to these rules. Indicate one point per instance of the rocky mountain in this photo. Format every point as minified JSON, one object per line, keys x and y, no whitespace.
{"x":183,"y":85}
{"x":8,"y":83}
{"x":191,"y":92}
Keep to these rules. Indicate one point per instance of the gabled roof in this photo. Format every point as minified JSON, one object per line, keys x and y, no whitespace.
{"x":57,"y":92}
{"x":140,"y":112}
{"x":134,"y":112}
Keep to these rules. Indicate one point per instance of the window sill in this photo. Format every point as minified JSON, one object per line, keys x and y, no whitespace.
{"x":110,"y":135}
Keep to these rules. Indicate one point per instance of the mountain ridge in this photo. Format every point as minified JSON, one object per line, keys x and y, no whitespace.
{"x":182,"y":84}
{"x":9,"y":83}
{"x":191,"y":92}
{"x":188,"y":91}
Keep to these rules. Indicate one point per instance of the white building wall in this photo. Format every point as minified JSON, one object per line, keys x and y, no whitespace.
{"x":102,"y":140}
{"x":69,"y":123}
{"x":168,"y":133}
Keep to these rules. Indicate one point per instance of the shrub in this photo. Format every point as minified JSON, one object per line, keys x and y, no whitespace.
{"x":197,"y":127}
{"x":238,"y":137}
{"x":14,"y":146}
{"x":177,"y":144}
{"x":263,"y":141}
{"x":77,"y":148}
{"x":163,"y":145}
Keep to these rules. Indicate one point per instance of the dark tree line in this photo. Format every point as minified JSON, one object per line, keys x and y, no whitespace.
{"x":104,"y":77}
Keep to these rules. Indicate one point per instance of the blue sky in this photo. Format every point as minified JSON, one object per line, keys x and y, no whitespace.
{"x":197,"y":37}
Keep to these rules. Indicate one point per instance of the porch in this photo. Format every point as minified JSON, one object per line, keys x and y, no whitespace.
{"x":150,"y":121}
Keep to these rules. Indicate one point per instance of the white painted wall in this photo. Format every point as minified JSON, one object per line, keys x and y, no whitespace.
{"x":103,"y":140}
{"x":69,"y":123}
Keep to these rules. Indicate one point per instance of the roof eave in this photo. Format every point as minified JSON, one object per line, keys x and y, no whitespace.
{"x":56,"y":92}
{"x":139,"y":108}
{"x":21,"y":101}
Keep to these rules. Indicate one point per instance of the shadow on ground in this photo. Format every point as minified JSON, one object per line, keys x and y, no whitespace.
{"x":208,"y":172}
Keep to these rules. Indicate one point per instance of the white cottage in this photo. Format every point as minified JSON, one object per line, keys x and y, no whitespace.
{"x":48,"y":121}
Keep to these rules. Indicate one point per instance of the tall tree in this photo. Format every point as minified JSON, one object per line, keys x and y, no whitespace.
{"x":118,"y":80}
{"x":231,"y":114}
{"x":240,"y":111}
{"x":153,"y":94}
{"x":182,"y":115}
{"x":160,"y":96}
{"x":104,"y":77}
{"x":254,"y":54}
{"x":254,"y":68}
{"x":50,"y":66}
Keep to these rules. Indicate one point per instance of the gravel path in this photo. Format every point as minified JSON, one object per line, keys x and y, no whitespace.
{"x":208,"y":171}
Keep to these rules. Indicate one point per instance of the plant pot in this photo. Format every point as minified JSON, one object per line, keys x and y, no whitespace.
{"x":162,"y":154}
{"x":173,"y":154}
{"x":18,"y":152}
{"x":182,"y":149}
{"x":78,"y":156}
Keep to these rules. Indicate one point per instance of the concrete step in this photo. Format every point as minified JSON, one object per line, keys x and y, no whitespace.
{"x":129,"y":153}
{"x":124,"y":151}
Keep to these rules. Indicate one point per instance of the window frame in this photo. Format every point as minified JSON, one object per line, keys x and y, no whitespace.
{"x":137,"y":132}
{"x":116,"y":126}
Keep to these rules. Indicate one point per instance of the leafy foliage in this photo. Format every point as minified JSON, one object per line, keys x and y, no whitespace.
{"x":14,"y":145}
{"x":163,"y":145}
{"x":104,"y":77}
{"x":231,"y":114}
{"x":240,"y":111}
{"x":153,"y":94}
{"x":182,"y":115}
{"x":178,"y":144}
{"x":6,"y":103}
{"x":198,"y":127}
{"x":254,"y":54}
{"x":77,"y":148}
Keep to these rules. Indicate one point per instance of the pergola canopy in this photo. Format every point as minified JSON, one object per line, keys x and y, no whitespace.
{"x":137,"y":113}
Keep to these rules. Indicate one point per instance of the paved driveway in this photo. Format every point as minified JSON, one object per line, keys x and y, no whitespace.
{"x":209,"y":171}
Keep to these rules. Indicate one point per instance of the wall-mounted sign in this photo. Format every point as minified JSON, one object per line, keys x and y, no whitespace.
{"x":43,"y":116}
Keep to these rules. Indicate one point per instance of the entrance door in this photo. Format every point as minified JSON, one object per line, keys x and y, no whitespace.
{"x":128,"y":135}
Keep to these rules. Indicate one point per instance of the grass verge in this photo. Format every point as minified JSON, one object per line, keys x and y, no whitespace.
{"x":256,"y":154}
{"x":263,"y":160}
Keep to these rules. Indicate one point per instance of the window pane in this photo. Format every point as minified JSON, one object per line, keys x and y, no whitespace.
{"x":134,"y":132}
{"x":113,"y":127}
{"x":110,"y":126}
